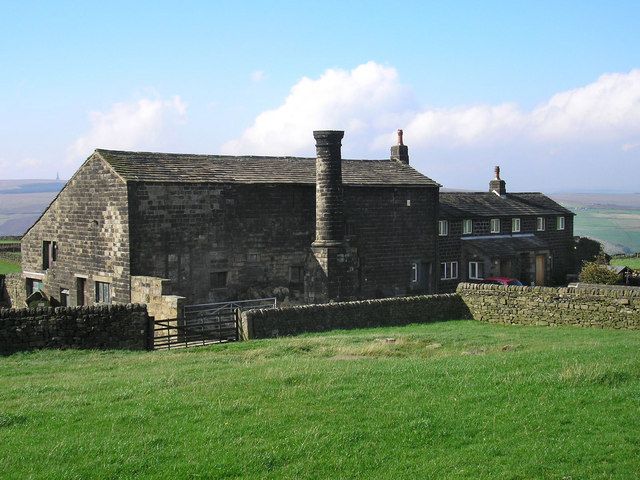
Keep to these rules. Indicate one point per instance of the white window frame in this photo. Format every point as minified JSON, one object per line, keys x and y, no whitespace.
{"x":560,"y":224}
{"x":414,"y":272}
{"x":514,"y":222}
{"x":443,"y":228}
{"x":495,"y":221}
{"x":467,"y":223}
{"x":450,"y":270}
{"x":540,"y":224}
{"x":475,"y":276}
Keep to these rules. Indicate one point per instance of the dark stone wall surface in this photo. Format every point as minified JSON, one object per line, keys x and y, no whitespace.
{"x":585,"y":307}
{"x":98,"y":326}
{"x":346,"y":315}
{"x":188,"y":233}
{"x":89,"y":222}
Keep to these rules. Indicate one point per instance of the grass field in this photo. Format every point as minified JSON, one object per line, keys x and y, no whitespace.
{"x":448,"y":400}
{"x":10,"y":262}
{"x":633,"y":262}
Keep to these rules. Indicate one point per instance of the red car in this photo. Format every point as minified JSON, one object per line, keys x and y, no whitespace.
{"x":502,"y":281}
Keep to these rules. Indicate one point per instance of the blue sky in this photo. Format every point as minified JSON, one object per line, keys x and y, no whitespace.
{"x":548,"y":90}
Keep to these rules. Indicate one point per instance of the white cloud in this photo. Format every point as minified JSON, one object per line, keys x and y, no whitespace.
{"x":565,"y":142}
{"x":257,"y":76}
{"x":142,"y":124}
{"x":364,"y":101}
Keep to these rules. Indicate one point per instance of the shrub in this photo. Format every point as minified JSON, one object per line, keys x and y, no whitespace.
{"x":594,"y":272}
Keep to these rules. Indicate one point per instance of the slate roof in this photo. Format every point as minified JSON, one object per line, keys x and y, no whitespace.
{"x":185,"y":168}
{"x":481,"y":204}
{"x":506,"y":245}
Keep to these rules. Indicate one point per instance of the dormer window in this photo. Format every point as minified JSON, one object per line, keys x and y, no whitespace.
{"x":495,"y":225}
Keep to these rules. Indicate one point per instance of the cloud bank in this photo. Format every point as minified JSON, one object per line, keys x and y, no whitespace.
{"x":142,"y":125}
{"x":566,"y":142}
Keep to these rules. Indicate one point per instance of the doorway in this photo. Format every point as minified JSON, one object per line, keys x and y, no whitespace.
{"x":541,"y":264}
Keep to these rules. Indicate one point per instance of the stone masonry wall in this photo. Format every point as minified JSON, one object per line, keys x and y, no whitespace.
{"x":99,"y":326}
{"x":14,"y":291}
{"x":260,"y":235}
{"x":89,"y":222}
{"x":586,"y":307}
{"x":346,"y":315}
{"x":151,"y":291}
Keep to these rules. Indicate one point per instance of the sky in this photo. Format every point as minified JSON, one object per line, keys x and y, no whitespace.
{"x":550,"y":91}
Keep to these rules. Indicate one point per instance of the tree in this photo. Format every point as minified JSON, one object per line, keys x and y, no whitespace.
{"x":594,"y":272}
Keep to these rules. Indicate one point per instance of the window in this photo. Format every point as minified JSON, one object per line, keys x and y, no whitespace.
{"x":103,"y":292}
{"x":64,"y":297}
{"x":80,"y":282}
{"x":49,"y":253}
{"x":33,"y":285}
{"x":560,"y":223}
{"x":467,"y":227}
{"x":476,"y":270}
{"x":495,"y":225}
{"x":218,"y":279}
{"x":448,"y":270}
{"x":252,"y":257}
{"x":414,"y":272}
{"x":540,"y":224}
{"x":515,"y":225}
{"x":296,"y":274}
{"x":443,"y":228}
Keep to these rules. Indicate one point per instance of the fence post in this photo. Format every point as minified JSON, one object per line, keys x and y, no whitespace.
{"x":151,"y":331}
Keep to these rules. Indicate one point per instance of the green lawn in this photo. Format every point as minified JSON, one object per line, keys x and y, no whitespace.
{"x":9,"y":266}
{"x":633,"y":262}
{"x":457,"y":399}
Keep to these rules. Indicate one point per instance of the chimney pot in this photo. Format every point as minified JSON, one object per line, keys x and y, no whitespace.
{"x":400,"y":152}
{"x":498,"y":185}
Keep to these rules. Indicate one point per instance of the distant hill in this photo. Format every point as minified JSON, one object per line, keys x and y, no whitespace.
{"x":23,"y":201}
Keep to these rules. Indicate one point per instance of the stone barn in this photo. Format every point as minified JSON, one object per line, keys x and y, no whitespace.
{"x":214,"y":228}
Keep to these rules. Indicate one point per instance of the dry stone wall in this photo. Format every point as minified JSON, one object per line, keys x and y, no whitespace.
{"x":346,"y":315}
{"x":585,"y":307}
{"x":14,"y":294}
{"x":100,"y":327}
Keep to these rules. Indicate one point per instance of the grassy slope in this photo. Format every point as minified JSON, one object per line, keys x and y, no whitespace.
{"x":10,"y":262}
{"x":448,"y":400}
{"x":627,"y":262}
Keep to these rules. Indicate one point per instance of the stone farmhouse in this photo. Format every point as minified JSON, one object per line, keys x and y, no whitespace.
{"x":216,"y":228}
{"x":527,"y":236}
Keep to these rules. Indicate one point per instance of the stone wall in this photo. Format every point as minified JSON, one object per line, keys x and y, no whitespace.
{"x":586,"y":307}
{"x":13,"y":294}
{"x":346,"y":315}
{"x":258,"y":238}
{"x":89,"y":222}
{"x":152,"y":291}
{"x":100,"y":326}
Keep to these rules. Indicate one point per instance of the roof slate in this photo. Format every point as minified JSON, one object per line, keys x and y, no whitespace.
{"x":185,"y":168}
{"x":485,"y":204}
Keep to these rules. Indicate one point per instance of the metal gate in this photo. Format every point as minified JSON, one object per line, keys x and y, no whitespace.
{"x":204,"y":324}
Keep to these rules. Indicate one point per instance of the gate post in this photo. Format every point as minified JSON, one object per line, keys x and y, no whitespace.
{"x":151,"y":332}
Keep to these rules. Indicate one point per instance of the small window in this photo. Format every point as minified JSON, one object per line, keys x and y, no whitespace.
{"x":448,"y":270}
{"x":296,"y":274}
{"x":515,"y":225}
{"x":103,"y":292}
{"x":80,"y":282}
{"x":495,"y":225}
{"x":540,"y":224}
{"x":476,"y":270}
{"x":64,"y":297}
{"x":33,"y":285}
{"x":252,"y":257}
{"x":218,"y":279}
{"x":467,"y":227}
{"x":560,"y":223}
{"x":414,"y":272}
{"x":443,"y":228}
{"x":46,"y":254}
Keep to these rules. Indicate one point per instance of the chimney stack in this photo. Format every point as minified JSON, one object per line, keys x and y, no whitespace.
{"x":329,"y":197}
{"x":400,"y":152}
{"x":498,"y":186}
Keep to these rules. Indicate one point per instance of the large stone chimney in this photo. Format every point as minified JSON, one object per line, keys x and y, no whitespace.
{"x":498,"y":186}
{"x":329,"y":200}
{"x":400,"y":152}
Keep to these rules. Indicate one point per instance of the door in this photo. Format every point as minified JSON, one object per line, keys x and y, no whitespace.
{"x":540,"y":269}
{"x":505,"y":268}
